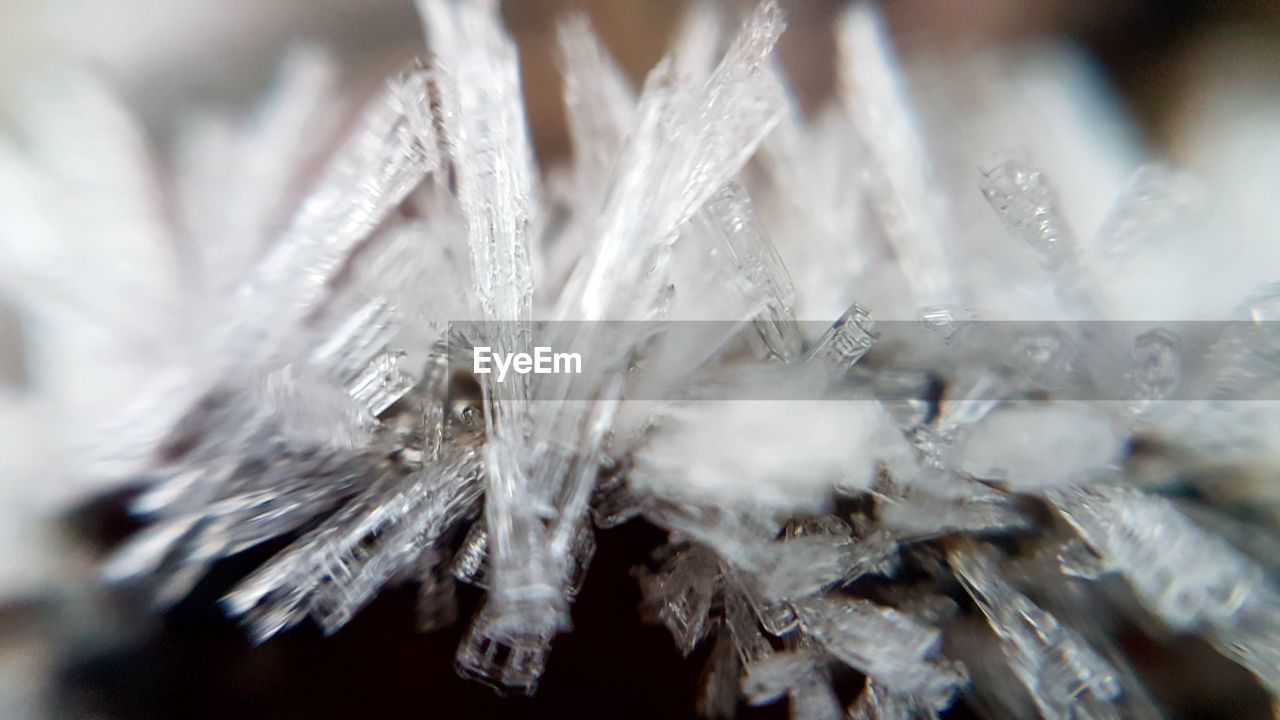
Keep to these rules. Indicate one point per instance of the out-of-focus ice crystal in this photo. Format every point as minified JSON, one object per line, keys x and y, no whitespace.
{"x":1038,"y":446}
{"x":1066,"y":678}
{"x":876,"y":96}
{"x":1187,"y":577}
{"x":884,"y":643}
{"x":1156,"y":365}
{"x":720,"y":449}
{"x":680,"y":595}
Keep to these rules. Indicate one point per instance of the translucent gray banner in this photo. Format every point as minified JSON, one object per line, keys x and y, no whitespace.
{"x":858,"y":359}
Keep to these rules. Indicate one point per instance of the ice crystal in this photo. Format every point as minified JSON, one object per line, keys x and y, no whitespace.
{"x":1064,"y":675}
{"x":891,"y":495}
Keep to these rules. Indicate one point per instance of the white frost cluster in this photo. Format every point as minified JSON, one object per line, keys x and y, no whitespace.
{"x":267,"y":348}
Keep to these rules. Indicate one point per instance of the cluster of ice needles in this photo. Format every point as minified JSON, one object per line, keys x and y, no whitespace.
{"x":263,"y":330}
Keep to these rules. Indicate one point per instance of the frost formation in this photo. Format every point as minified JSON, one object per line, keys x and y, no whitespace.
{"x":275,"y":362}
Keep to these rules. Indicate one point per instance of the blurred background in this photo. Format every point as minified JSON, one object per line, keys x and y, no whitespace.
{"x":68,"y":649}
{"x":1161,"y":55}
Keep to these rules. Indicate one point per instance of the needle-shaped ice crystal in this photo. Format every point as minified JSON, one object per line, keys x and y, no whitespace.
{"x":485,"y":129}
{"x":902,"y":189}
{"x":1063,"y":674}
{"x":1190,"y":579}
